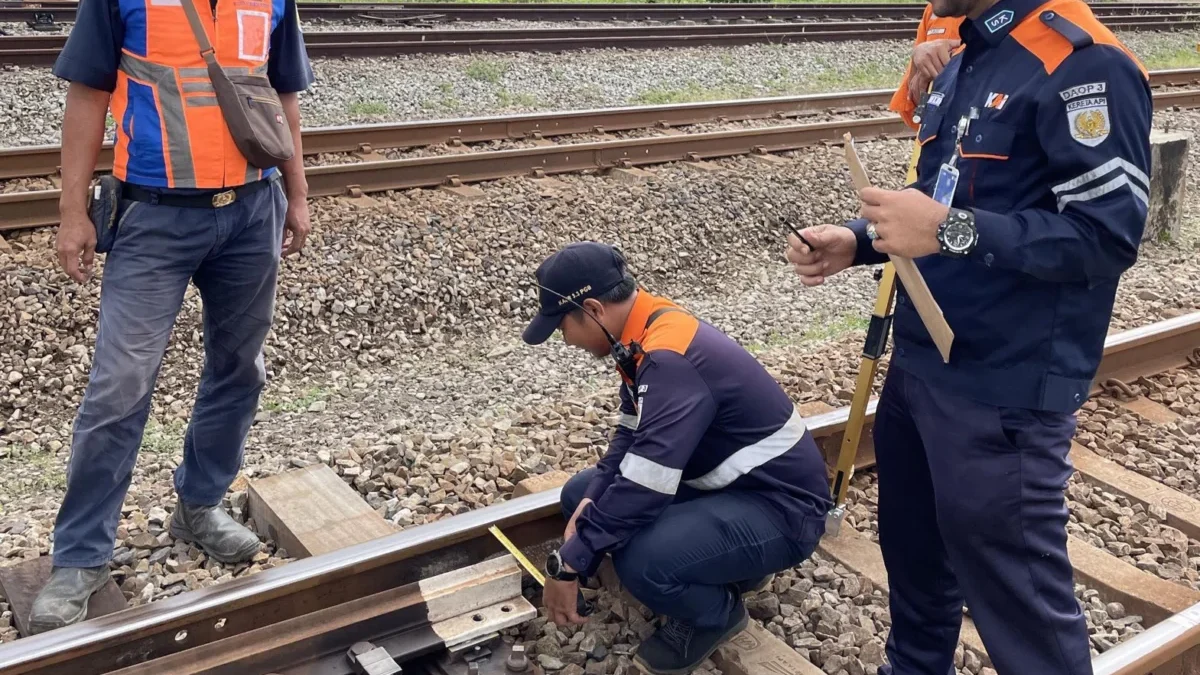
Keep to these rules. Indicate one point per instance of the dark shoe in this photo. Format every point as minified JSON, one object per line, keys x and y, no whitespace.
{"x":678,"y":648}
{"x":752,"y":586}
{"x":63,"y":600}
{"x":213,"y":530}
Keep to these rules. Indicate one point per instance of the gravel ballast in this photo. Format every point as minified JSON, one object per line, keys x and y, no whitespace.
{"x":396,"y":356}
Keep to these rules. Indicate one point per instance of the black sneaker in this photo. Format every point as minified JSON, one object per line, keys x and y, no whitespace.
{"x":678,"y":648}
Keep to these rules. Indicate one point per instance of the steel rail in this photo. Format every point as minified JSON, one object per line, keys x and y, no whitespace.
{"x":1167,"y":643}
{"x":65,"y":12}
{"x":40,"y":208}
{"x":43,"y":160}
{"x":401,"y":43}
{"x":302,"y":591}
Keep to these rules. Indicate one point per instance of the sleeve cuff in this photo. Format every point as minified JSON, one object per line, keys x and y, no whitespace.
{"x":72,"y":70}
{"x":864,"y":252}
{"x":998,"y":236}
{"x":581,"y":558}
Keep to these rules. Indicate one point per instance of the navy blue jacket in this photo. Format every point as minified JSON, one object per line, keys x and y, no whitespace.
{"x":707,"y":417}
{"x":1055,"y":169}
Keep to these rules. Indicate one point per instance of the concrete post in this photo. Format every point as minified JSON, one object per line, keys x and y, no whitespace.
{"x":1168,"y":182}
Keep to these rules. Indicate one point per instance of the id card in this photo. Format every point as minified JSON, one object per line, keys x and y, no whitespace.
{"x":947,"y":182}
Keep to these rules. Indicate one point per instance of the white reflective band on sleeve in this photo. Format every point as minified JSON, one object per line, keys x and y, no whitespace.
{"x":1114,"y":163}
{"x":1101,"y":190}
{"x":628,"y":421}
{"x":751,"y":457}
{"x":651,"y":474}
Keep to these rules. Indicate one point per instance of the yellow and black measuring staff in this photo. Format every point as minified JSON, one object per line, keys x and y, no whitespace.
{"x":875,"y":345}
{"x":583,"y":606}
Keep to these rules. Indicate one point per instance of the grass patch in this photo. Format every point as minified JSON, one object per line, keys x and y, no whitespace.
{"x":298,"y":403}
{"x":486,"y":70}
{"x":163,"y":439}
{"x":30,"y":471}
{"x":693,"y":92}
{"x":368,"y":108}
{"x":819,"y":332}
{"x":1164,"y":59}
{"x":864,"y":76}
{"x":522,"y":99}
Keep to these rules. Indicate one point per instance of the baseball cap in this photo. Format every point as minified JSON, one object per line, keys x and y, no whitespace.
{"x":577,"y":271}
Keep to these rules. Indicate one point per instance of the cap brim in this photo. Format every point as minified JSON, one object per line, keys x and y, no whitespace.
{"x":541,"y":328}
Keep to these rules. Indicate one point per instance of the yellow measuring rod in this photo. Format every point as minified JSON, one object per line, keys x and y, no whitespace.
{"x":518,"y":555}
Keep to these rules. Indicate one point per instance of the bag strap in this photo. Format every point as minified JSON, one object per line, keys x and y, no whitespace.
{"x":659,"y":312}
{"x":193,"y":15}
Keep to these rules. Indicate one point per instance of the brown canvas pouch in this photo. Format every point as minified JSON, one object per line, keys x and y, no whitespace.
{"x":249,"y":104}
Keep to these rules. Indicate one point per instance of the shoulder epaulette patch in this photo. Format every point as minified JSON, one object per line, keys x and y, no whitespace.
{"x":1077,"y":36}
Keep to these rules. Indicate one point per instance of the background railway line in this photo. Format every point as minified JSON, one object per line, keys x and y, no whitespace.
{"x":42,"y":50}
{"x":455,"y":164}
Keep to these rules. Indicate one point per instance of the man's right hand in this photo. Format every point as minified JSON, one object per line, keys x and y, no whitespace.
{"x":76,"y":244}
{"x":832,"y":251}
{"x":929,"y":58}
{"x":570,"y":531}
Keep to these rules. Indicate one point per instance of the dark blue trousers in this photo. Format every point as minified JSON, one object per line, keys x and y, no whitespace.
{"x":971,"y":507}
{"x":232,"y":255}
{"x":683,"y":565}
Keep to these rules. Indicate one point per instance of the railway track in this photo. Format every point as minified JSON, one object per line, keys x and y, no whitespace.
{"x":42,"y":50}
{"x":303,"y":617}
{"x":65,"y":11}
{"x":19,"y":210}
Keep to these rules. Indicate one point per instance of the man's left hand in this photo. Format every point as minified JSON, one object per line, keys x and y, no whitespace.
{"x":906,"y":221}
{"x":296,"y":226}
{"x":560,"y":598}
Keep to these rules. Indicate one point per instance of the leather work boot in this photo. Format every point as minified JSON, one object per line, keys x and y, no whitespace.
{"x":678,"y":648}
{"x":63,"y":600}
{"x":215,"y":531}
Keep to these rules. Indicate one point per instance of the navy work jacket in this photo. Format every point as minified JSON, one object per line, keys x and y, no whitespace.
{"x":1055,"y":166}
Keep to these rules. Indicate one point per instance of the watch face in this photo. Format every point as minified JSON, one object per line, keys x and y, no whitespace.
{"x":958,"y":235}
{"x":553,"y":566}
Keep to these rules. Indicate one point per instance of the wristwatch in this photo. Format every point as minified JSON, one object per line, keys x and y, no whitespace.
{"x":957,"y":233}
{"x":556,"y":570}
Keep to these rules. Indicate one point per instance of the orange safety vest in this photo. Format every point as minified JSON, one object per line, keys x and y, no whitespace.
{"x":170,"y":131}
{"x":932,"y":27}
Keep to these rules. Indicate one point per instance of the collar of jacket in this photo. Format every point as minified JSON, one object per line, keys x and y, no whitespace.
{"x":995,"y":24}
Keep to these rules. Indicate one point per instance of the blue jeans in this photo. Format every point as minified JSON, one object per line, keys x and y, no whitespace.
{"x":971,"y":507}
{"x":684,"y":563}
{"x":232,"y":255}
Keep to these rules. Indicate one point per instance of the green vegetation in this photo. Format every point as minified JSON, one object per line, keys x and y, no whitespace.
{"x":299,"y":402}
{"x":30,"y":471}
{"x":486,"y":70}
{"x":163,"y":439}
{"x":864,"y":76}
{"x":507,"y":100}
{"x":368,"y":108}
{"x":1164,"y":59}
{"x":820,"y":331}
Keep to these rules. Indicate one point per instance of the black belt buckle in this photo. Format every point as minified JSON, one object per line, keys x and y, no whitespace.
{"x":919,"y":113}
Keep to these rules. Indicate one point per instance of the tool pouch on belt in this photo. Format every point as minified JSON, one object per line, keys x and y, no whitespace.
{"x":103,"y":200}
{"x":249,"y":104}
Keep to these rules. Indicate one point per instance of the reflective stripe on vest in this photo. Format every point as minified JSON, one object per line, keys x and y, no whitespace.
{"x":170,"y":131}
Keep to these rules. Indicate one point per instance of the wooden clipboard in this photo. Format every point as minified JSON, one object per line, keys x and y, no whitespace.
{"x":906,"y":270}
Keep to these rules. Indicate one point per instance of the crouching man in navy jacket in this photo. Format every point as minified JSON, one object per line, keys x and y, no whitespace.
{"x":711,"y":483}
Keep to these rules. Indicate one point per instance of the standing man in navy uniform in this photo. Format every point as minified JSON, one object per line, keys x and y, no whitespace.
{"x":1029,"y":204}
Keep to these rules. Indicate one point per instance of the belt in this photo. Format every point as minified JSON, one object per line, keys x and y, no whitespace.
{"x":214,"y":199}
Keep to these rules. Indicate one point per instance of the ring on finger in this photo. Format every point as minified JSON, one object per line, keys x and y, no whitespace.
{"x":871,"y":233}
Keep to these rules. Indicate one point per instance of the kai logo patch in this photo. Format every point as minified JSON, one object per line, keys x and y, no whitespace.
{"x":935,"y":99}
{"x":936,"y":31}
{"x":1088,"y":119}
{"x":996,"y":101}
{"x":999,"y":20}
